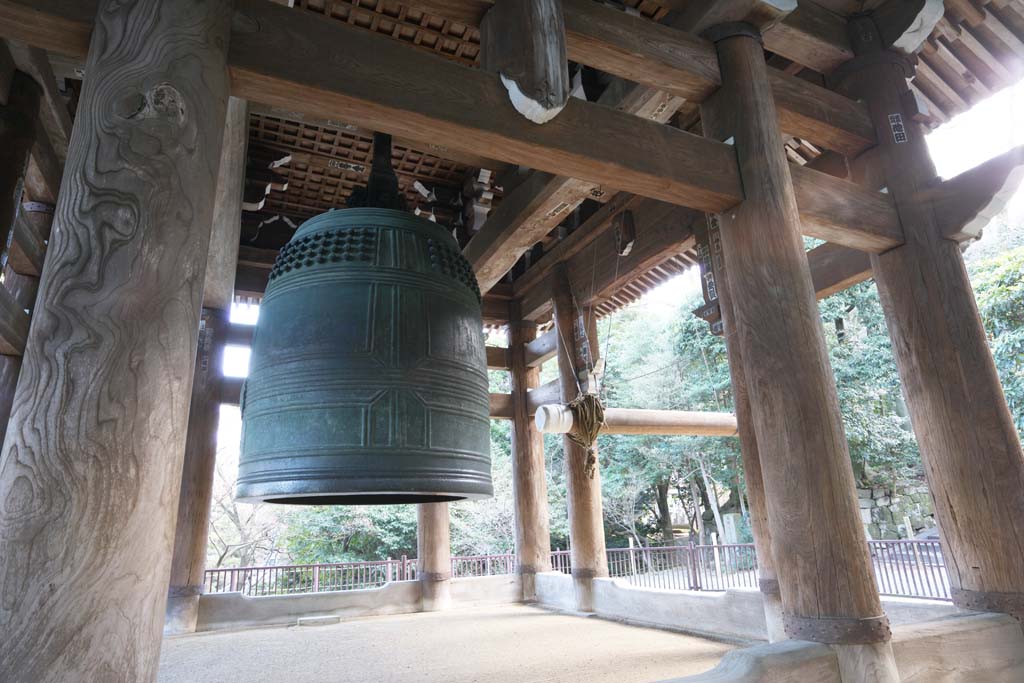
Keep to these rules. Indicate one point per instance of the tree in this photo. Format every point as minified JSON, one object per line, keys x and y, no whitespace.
{"x":999,"y":288}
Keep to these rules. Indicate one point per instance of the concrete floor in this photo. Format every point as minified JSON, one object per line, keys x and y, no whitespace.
{"x":513,"y":643}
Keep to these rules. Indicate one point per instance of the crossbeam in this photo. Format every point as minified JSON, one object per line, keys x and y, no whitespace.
{"x":292,"y":59}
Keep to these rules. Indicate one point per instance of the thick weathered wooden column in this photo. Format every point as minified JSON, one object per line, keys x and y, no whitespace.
{"x":820,"y":550}
{"x":529,"y":480}
{"x":188,"y":562}
{"x":970,"y":448}
{"x":758,"y":507}
{"x":91,"y":465}
{"x":434,"y":555}
{"x":577,"y":349}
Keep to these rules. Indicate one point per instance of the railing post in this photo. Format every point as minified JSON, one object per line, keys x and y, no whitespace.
{"x":233,"y":584}
{"x":402,"y":569}
{"x":632,"y":557}
{"x":316,"y":578}
{"x":694,"y":576}
{"x":387,"y":571}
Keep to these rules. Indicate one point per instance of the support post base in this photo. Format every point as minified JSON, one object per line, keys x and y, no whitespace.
{"x":436,"y":595}
{"x":182,"y":614}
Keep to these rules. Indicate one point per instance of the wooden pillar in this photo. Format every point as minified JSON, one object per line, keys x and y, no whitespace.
{"x":91,"y":465}
{"x":970,"y":448}
{"x":824,"y":572}
{"x":586,"y":521}
{"x":529,"y":480}
{"x":434,"y":555}
{"x":188,"y":562}
{"x":758,"y":507}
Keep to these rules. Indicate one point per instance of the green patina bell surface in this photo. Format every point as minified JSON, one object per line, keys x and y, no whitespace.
{"x":368,"y":378}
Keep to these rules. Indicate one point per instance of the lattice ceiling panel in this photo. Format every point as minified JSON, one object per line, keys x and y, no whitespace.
{"x":327,"y":163}
{"x":452,"y":39}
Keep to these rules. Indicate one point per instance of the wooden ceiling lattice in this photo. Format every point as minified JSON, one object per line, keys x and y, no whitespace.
{"x":328,"y":163}
{"x":452,"y":39}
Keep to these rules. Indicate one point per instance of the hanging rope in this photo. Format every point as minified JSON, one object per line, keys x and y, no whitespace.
{"x":587,"y":418}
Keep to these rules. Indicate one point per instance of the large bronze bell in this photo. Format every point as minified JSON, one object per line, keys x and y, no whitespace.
{"x":368,"y":378}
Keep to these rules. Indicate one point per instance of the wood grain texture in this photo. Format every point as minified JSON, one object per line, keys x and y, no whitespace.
{"x":808,"y":479}
{"x":222,"y":261}
{"x":434,"y":555}
{"x":541,"y":349}
{"x":91,"y":465}
{"x":835,"y":268}
{"x":524,"y":42}
{"x":529,"y":478}
{"x":192,"y":528}
{"x":969,"y":445}
{"x":813,"y":36}
{"x":392,"y":88}
{"x":586,"y":521}
{"x":498,"y":358}
{"x":753,"y":477}
{"x":845,"y":213}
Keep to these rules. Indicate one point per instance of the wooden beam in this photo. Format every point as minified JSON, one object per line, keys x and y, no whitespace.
{"x":583,"y":141}
{"x":541,"y":350}
{"x":473,"y":160}
{"x":839,"y":211}
{"x":543,"y":395}
{"x":812,"y":36}
{"x":27,"y":249}
{"x":650,"y":53}
{"x":13,"y":325}
{"x":43,"y":175}
{"x":577,"y":240}
{"x":965,"y":204}
{"x":497,"y":358}
{"x":835,"y":268}
{"x":222,"y":261}
{"x":597,"y":272}
{"x":501,"y":406}
{"x":524,"y":42}
{"x":239,"y":335}
{"x":231,"y":390}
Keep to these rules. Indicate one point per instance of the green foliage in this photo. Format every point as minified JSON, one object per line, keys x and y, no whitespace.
{"x":999,"y":288}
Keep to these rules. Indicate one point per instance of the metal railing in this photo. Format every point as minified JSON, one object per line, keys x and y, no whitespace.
{"x":902,"y":568}
{"x":912,"y":569}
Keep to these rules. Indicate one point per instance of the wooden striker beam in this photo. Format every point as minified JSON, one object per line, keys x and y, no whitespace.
{"x":92,"y":461}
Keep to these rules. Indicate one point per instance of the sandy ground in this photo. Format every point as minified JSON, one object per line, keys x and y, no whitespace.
{"x":513,"y":643}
